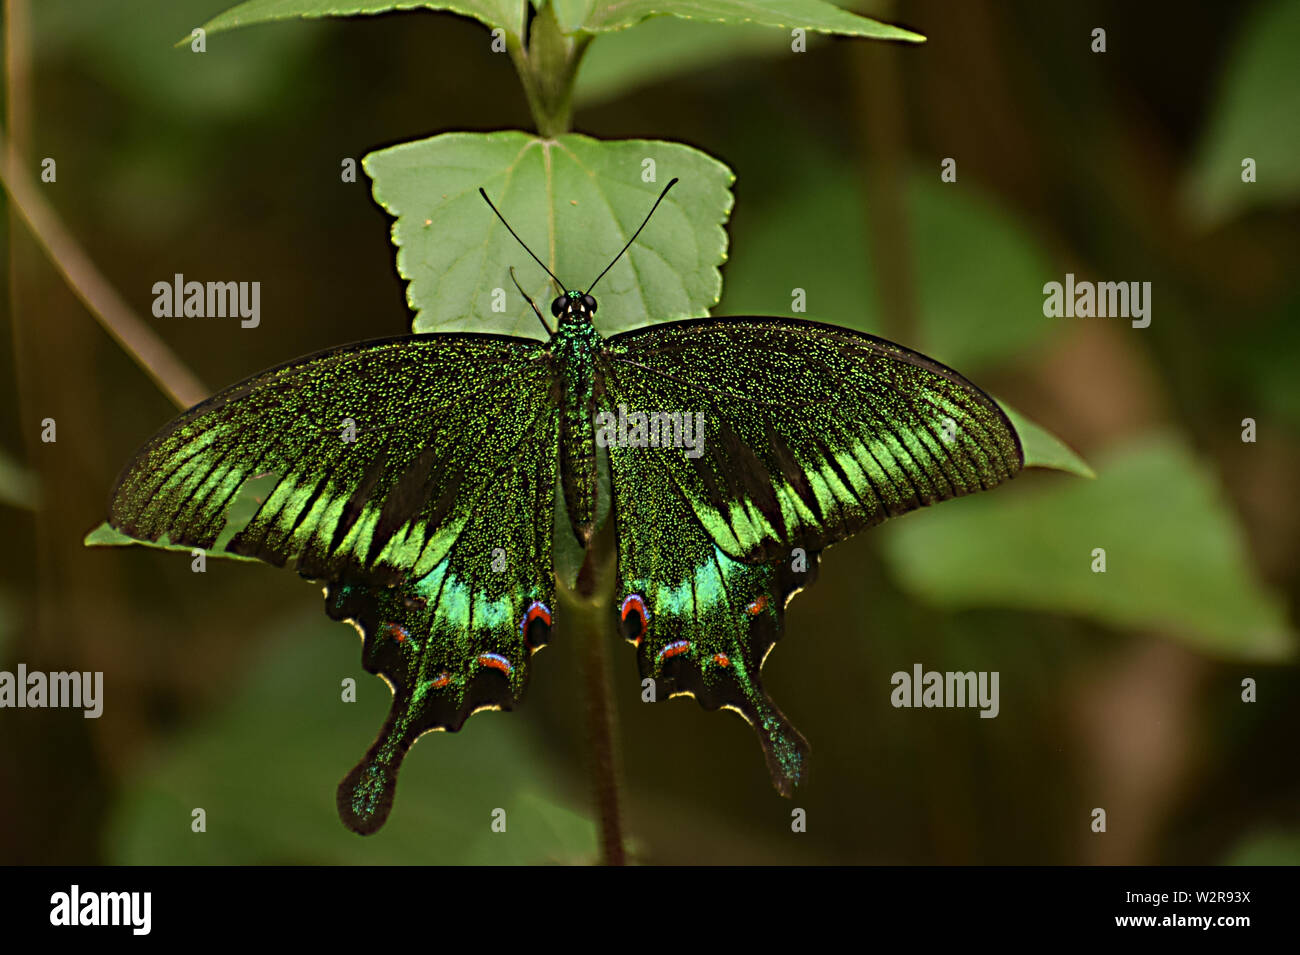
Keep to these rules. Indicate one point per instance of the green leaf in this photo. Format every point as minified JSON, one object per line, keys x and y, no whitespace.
{"x":666,"y":47}
{"x":242,"y":508}
{"x":1044,"y":449}
{"x":593,"y":16}
{"x":575,"y":201}
{"x":1254,"y":116}
{"x":979,"y":275}
{"x":495,"y":13}
{"x":1175,"y":557}
{"x":977,"y":270}
{"x":570,"y":14}
{"x":265,"y":765}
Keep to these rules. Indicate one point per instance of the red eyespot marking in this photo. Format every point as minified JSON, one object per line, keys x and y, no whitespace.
{"x":676,"y":648}
{"x":722,"y":660}
{"x":536,"y":611}
{"x":442,"y":680}
{"x":757,"y":606}
{"x":633,"y":603}
{"x":496,"y":661}
{"x":397,"y":632}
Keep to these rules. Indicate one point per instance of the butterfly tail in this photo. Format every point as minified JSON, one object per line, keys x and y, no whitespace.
{"x":784,"y":747}
{"x":714,"y":650}
{"x":365,"y":797}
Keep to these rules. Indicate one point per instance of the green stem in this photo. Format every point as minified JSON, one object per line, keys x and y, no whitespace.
{"x":601,"y":724}
{"x":548,"y":68}
{"x":590,"y":608}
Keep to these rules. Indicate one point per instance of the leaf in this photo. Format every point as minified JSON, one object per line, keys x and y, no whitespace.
{"x":1044,"y":449}
{"x":242,"y":508}
{"x":264,"y":766}
{"x":977,"y":270}
{"x":667,"y":47}
{"x":979,"y":275}
{"x":1253,"y":116}
{"x":663,"y":48}
{"x":594,"y":16}
{"x":1175,"y":558}
{"x":575,"y":201}
{"x":495,"y":13}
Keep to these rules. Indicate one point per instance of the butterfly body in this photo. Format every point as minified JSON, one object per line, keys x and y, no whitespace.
{"x":574,"y":349}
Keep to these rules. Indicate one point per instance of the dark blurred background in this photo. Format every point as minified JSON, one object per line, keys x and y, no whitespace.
{"x":1120,"y":691}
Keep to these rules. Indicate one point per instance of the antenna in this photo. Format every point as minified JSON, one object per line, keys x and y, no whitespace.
{"x":527,"y":299}
{"x":521,"y":241}
{"x":634,"y":234}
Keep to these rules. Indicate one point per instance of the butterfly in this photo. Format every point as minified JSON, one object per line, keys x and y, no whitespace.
{"x":420,"y":479}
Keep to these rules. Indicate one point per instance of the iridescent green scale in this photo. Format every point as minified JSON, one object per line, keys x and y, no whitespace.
{"x":417,"y":478}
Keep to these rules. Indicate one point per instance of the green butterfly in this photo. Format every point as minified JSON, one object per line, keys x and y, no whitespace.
{"x":736,"y":449}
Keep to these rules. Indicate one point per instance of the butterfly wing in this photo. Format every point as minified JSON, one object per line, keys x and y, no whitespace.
{"x":812,"y":432}
{"x":381,"y":450}
{"x":458,"y":639}
{"x":762,"y":441}
{"x":702,"y":621}
{"x":416,"y":476}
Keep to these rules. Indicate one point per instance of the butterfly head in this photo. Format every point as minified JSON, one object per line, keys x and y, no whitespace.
{"x":571,"y":307}
{"x":574,"y":307}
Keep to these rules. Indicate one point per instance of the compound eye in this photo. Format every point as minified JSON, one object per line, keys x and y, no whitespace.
{"x":558,"y":306}
{"x":590,"y":302}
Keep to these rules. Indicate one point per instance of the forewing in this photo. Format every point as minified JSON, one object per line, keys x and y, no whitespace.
{"x":381,"y":453}
{"x":810,"y":432}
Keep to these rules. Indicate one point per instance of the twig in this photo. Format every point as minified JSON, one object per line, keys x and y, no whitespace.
{"x":149,"y":351}
{"x":878,"y":89}
{"x":601,"y":714}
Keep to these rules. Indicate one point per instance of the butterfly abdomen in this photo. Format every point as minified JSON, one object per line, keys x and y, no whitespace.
{"x":575,"y":347}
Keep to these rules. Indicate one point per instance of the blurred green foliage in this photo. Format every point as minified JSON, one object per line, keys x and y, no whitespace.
{"x":1254,"y":116}
{"x":264,"y":767}
{"x":1174,"y":559}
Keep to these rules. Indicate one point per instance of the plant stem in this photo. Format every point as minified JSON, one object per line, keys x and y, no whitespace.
{"x":878,"y":91}
{"x":548,"y":68}
{"x":601,"y":725}
{"x":594,"y":593}
{"x":103,"y":301}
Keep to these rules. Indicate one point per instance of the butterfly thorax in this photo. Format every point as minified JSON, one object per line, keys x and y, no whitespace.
{"x":574,"y":347}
